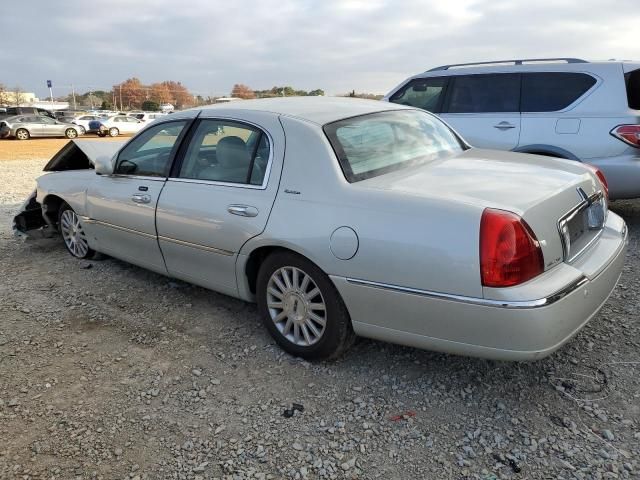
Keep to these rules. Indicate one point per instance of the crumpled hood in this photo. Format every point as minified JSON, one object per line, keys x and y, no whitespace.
{"x":79,"y":154}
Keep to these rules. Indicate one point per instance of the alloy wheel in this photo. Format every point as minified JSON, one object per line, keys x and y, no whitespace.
{"x":296,"y":306}
{"x":73,"y":234}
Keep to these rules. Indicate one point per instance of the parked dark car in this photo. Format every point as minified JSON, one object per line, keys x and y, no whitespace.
{"x":13,"y":111}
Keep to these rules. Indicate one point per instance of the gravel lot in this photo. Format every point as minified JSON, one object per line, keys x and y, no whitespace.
{"x":109,"y":371}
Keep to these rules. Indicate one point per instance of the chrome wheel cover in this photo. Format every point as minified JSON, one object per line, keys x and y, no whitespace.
{"x":22,"y":134}
{"x":71,"y":133}
{"x":296,"y":306}
{"x":73,"y":234}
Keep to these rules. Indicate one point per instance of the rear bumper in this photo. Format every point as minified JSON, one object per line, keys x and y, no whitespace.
{"x":622,"y":173}
{"x":527,"y":329}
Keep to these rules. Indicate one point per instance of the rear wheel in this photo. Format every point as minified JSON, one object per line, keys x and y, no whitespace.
{"x":301,"y":308}
{"x":72,"y":233}
{"x":71,"y":133}
{"x":22,"y":134}
{"x":113,"y":132}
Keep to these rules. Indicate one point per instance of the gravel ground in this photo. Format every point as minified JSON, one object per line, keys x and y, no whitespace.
{"x":109,"y":371}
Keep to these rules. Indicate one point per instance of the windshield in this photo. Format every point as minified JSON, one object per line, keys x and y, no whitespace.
{"x":378,"y":143}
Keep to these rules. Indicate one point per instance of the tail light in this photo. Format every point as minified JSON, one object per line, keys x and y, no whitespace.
{"x":601,"y":177}
{"x":509,"y":251}
{"x":629,"y":134}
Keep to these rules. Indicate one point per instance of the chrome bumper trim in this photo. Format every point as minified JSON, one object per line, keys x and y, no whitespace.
{"x":541,"y":302}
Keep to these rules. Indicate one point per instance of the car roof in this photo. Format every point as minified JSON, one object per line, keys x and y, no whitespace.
{"x":535,"y":66}
{"x":319,"y":110}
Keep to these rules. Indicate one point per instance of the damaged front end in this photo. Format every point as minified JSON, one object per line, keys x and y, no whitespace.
{"x":75,"y":155}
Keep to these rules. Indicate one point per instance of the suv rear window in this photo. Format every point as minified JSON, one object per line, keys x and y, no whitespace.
{"x":425,"y":93}
{"x":553,"y":91}
{"x":484,"y":93}
{"x":632,"y":80}
{"x":382,"y":142}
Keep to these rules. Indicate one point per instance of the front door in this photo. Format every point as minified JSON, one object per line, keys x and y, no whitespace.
{"x":121,"y":207}
{"x":485,"y":109}
{"x":219,"y":198}
{"x":51,"y":128}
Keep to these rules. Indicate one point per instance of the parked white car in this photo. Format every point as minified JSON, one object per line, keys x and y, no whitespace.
{"x":116,"y":125}
{"x":147,"y":116}
{"x":370,"y":219}
{"x":565,"y":108}
{"x":83,"y":122}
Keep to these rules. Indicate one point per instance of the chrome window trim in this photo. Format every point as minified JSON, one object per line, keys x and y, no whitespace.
{"x":567,"y":217}
{"x":267,"y":172}
{"x":524,"y":304}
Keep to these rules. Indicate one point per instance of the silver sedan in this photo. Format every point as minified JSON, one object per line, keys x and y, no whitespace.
{"x":344,"y":217}
{"x":24,"y":127}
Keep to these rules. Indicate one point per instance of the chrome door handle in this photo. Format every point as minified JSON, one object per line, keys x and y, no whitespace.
{"x":140,"y":198}
{"x":504,"y":126}
{"x":242,"y":210}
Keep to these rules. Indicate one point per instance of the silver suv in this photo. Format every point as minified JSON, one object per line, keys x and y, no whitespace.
{"x":560,"y":107}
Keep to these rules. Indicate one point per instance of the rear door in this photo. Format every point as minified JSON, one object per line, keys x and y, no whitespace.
{"x":219,"y":196}
{"x":485,"y":109}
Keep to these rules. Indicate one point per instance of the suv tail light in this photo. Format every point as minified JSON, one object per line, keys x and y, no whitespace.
{"x":602,"y":178}
{"x":629,"y":134}
{"x":509,"y":251}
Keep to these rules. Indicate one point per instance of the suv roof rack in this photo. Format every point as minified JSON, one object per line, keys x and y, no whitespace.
{"x":515,"y":62}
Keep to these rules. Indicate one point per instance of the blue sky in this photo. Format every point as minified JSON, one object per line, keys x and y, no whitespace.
{"x":366,"y":45}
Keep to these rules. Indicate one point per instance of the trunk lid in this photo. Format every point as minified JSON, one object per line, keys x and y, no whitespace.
{"x":547,"y":193}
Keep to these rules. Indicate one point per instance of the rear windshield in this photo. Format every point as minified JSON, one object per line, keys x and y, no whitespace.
{"x":378,"y":143}
{"x":633,"y":89}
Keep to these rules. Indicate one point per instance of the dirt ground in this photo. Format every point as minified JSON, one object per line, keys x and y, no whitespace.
{"x":41,"y":148}
{"x":108,"y":371}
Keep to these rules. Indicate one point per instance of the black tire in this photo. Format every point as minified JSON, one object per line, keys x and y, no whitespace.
{"x":71,"y":133}
{"x":80,"y":253}
{"x":114,"y":132}
{"x":338,"y":333}
{"x":23,"y":134}
{"x":100,"y":134}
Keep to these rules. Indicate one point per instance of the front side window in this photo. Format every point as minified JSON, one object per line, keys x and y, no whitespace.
{"x":425,"y":93}
{"x":150,"y":153}
{"x":228,"y":152}
{"x":553,"y":91}
{"x":484,"y":94}
{"x":47,"y":120}
{"x":378,"y":143}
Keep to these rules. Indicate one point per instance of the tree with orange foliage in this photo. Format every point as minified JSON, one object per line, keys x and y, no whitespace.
{"x":159,"y":92}
{"x":130,"y":93}
{"x":242,"y":91}
{"x":179,"y":93}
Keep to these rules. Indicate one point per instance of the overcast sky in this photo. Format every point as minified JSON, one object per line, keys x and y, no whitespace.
{"x":366,"y":45}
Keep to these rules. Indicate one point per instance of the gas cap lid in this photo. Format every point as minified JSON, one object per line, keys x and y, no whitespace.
{"x":344,"y":243}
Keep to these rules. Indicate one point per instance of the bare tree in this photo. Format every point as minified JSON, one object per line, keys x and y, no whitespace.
{"x":18,"y":96}
{"x":4,"y":98}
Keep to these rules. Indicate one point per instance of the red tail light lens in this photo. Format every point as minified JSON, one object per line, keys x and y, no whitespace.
{"x":509,"y":251}
{"x":601,"y":177}
{"x":628,"y":134}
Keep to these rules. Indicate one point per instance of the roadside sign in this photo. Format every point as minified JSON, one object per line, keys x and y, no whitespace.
{"x":48,"y":83}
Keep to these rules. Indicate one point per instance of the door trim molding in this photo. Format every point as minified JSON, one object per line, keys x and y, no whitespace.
{"x":93,"y":221}
{"x":196,"y":245}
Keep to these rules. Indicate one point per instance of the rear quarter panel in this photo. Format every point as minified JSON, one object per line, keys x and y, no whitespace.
{"x":418,"y":242}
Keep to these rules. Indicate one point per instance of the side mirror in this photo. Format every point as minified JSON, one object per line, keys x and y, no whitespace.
{"x":104,"y":165}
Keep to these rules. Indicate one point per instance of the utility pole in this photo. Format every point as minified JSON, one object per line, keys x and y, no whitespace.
{"x":73,"y":92}
{"x":121,"y":108}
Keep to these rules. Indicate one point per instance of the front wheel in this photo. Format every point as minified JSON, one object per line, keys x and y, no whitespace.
{"x":22,"y":134}
{"x":71,"y":133}
{"x":82,"y":129}
{"x":113,"y":132}
{"x":72,"y":233}
{"x":301,"y":308}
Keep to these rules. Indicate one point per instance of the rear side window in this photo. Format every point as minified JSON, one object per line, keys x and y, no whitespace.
{"x":424,"y":93}
{"x":633,"y":89}
{"x":484,"y":93}
{"x":379,"y":143}
{"x":553,"y":91}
